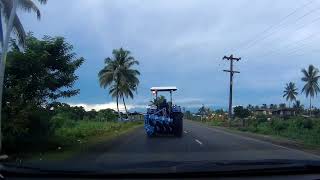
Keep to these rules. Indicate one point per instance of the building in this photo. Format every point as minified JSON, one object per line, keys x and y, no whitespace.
{"x":284,"y":112}
{"x":262,"y":112}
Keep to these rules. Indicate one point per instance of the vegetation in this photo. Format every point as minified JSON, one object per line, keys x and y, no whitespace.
{"x":290,"y":92}
{"x":204,"y":111}
{"x":119,"y":75}
{"x":158,"y":100}
{"x":298,"y":107}
{"x":35,"y":80}
{"x":12,"y":23}
{"x":305,"y":130}
{"x":204,"y":114}
{"x":241,"y":112}
{"x":311,"y":78}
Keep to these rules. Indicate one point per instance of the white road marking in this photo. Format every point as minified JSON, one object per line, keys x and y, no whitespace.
{"x":198,"y":141}
{"x":185,"y":132}
{"x":256,"y":140}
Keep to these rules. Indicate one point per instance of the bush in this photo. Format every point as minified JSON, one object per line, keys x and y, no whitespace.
{"x":264,"y":128}
{"x":26,"y":128}
{"x":85,"y":129}
{"x":278,"y":125}
{"x":218,"y":122}
{"x":303,"y":123}
{"x":61,"y":120}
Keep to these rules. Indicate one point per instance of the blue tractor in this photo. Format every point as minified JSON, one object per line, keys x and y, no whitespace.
{"x":163,"y":117}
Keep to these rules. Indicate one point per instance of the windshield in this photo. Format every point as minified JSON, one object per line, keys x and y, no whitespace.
{"x":117,"y":85}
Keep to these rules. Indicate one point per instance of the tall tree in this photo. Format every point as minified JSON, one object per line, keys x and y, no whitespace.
{"x":282,"y":105}
{"x":202,"y":111}
{"x":273,"y":106}
{"x":119,"y":75}
{"x":290,"y":92}
{"x":9,"y":8}
{"x":298,"y":107}
{"x":129,"y":83}
{"x":34,"y":79}
{"x":311,"y":87}
{"x":241,"y":112}
{"x":264,"y":106}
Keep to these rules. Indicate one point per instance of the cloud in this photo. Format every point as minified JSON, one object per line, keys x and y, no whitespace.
{"x":110,"y":105}
{"x":182,"y":42}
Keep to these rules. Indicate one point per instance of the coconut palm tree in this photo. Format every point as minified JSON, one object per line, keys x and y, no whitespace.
{"x":129,"y":82}
{"x":126,"y":91}
{"x":119,"y":75}
{"x":290,"y":92}
{"x":298,"y":107}
{"x":9,"y":7}
{"x":311,"y":78}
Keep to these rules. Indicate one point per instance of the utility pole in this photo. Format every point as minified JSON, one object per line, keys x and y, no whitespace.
{"x":231,"y":71}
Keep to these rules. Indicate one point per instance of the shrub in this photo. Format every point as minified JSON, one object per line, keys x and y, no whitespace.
{"x":218,"y":122}
{"x":61,"y":120}
{"x":264,"y":128}
{"x":278,"y":125}
{"x":303,"y":123}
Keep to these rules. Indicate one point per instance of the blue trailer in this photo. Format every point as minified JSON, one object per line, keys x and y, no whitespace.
{"x":163,"y":118}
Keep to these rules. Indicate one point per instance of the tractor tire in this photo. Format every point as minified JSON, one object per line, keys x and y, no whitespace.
{"x":177,"y":124}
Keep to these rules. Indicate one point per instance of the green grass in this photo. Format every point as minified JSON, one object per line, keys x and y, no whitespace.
{"x":302,"y":130}
{"x":69,"y":141}
{"x":85,"y":129}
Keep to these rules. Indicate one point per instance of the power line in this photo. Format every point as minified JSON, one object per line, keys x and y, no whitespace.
{"x":274,"y":25}
{"x":279,"y":27}
{"x":301,"y":27}
{"x":279,"y":50}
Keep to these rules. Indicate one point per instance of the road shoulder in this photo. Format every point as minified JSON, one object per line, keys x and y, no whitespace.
{"x":276,"y":140}
{"x":92,"y":144}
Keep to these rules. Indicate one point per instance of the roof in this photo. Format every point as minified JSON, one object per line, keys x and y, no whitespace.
{"x":164,"y":88}
{"x":284,"y":109}
{"x":263,"y":109}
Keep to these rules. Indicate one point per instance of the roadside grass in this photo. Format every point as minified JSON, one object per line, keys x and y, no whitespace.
{"x":302,"y":130}
{"x":69,"y":141}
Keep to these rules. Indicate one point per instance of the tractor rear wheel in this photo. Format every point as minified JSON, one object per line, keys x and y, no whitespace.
{"x":177,"y":124}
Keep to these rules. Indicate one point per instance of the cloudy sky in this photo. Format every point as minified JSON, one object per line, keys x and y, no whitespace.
{"x":182,"y":42}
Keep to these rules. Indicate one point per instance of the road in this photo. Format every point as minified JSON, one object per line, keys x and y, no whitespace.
{"x":199,"y":143}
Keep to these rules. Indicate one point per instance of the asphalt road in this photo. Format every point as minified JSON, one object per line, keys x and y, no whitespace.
{"x":199,"y":143}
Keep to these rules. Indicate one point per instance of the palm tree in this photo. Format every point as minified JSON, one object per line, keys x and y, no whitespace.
{"x":119,"y":75}
{"x":115,"y":93}
{"x":290,"y":92}
{"x":273,"y":106}
{"x":126,"y":91}
{"x":202,"y":111}
{"x":264,"y":106}
{"x":158,"y":100}
{"x":9,"y":7}
{"x":298,"y":107}
{"x":311,"y":87}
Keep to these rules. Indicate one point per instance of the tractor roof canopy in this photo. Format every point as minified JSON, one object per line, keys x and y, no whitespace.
{"x":164,"y":88}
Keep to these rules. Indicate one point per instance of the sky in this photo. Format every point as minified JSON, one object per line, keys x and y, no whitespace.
{"x":181,"y":43}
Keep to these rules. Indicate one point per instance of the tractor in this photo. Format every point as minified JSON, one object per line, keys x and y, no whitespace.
{"x":163,"y":117}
